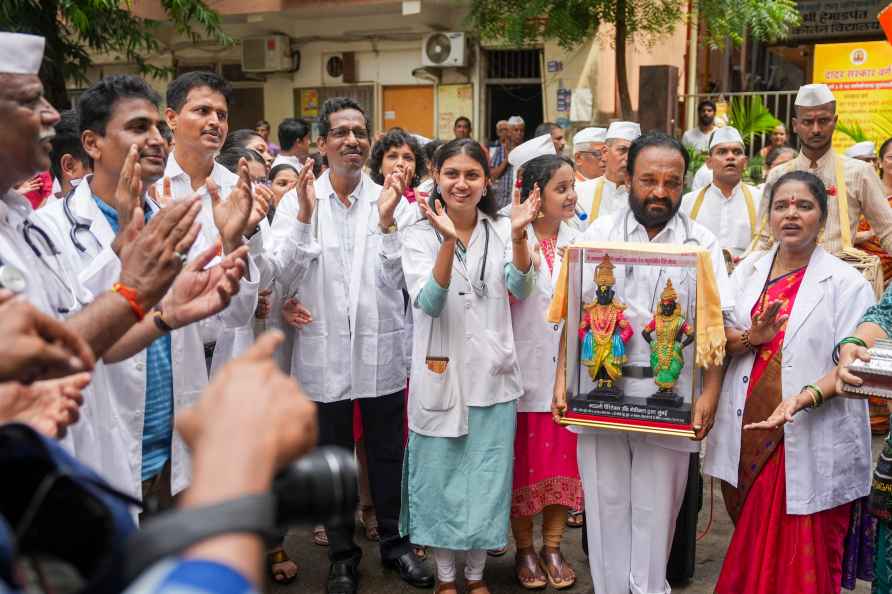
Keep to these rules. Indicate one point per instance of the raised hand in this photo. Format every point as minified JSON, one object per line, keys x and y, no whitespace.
{"x":29,"y":185}
{"x":524,"y":214}
{"x":295,"y":314}
{"x":391,"y":194}
{"x":200,"y":293}
{"x":438,"y":218}
{"x":767,"y":324}
{"x":263,"y":199}
{"x":165,"y":197}
{"x":36,"y":346}
{"x":231,"y":216}
{"x":153,"y":255}
{"x":128,"y":192}
{"x":306,"y":193}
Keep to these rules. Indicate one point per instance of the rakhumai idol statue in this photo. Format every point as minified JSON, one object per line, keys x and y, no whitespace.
{"x":673,"y":333}
{"x":604,"y":333}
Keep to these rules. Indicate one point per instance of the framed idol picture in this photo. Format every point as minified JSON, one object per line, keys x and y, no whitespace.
{"x":632,"y":335}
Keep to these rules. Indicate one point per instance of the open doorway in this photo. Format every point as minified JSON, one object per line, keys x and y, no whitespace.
{"x":514,"y":87}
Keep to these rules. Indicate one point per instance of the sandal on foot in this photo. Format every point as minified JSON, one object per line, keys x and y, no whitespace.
{"x":478,"y":586}
{"x":278,"y":557}
{"x":560,"y":574}
{"x":527,"y":570}
{"x":320,"y":536}
{"x":497,"y":552}
{"x":369,"y":521}
{"x":575,"y":519}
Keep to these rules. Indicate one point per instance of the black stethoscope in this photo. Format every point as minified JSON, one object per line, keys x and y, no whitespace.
{"x":29,"y":228}
{"x":478,"y":285}
{"x":78,"y":225}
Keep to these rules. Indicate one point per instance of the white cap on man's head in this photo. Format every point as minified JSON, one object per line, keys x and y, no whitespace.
{"x":725,"y":135}
{"x":814,"y":95}
{"x":865,"y":149}
{"x":587,"y":136}
{"x":529,"y":150}
{"x":422,"y":140}
{"x":623,"y":131}
{"x":516,"y":120}
{"x":20,"y":53}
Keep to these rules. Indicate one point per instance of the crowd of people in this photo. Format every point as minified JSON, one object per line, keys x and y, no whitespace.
{"x":405,"y":284}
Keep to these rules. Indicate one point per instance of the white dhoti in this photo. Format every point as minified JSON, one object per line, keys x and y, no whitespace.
{"x":633,"y":492}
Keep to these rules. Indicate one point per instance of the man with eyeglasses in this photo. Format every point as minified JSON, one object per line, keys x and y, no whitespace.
{"x":609,"y":193}
{"x":350,"y":278}
{"x":588,"y":145}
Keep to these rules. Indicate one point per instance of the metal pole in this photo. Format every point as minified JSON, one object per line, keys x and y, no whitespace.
{"x":691,"y":76}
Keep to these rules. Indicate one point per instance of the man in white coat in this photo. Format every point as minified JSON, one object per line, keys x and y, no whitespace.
{"x":727,"y":206}
{"x":350,"y":278}
{"x":609,"y":193}
{"x":634,"y":483}
{"x":144,"y":382}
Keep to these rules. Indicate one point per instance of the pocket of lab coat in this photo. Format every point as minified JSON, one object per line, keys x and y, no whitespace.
{"x":434,"y":390}
{"x":502,"y":353}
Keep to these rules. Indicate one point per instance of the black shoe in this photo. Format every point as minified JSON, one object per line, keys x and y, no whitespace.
{"x":412,"y":570}
{"x":343,"y":578}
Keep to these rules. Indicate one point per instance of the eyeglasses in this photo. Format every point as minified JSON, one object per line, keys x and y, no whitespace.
{"x":343,"y":133}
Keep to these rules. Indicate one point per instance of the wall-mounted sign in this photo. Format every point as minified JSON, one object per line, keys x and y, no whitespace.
{"x":824,"y":19}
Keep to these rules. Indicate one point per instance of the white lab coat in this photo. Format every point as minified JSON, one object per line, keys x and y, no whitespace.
{"x":127,"y":379}
{"x":828,"y":449}
{"x":474,"y":332}
{"x":353,"y":348}
{"x":536,"y":340}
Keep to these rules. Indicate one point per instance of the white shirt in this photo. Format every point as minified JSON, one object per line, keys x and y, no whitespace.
{"x":287,"y":160}
{"x":727,"y":218}
{"x":703,"y":177}
{"x":640,"y":290}
{"x":353,"y":348}
{"x":697,"y":138}
{"x":613,"y":199}
{"x":827,"y":449}
{"x":473,"y":331}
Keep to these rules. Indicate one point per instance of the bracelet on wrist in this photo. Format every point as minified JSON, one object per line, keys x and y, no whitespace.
{"x":129,"y":294}
{"x":158,"y":319}
{"x":817,"y":394}
{"x":745,"y":339}
{"x":846,"y":340}
{"x":521,"y":238}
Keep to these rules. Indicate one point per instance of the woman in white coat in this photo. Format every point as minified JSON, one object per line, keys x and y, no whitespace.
{"x":789,"y":488}
{"x":460,"y":265}
{"x":546,"y":477}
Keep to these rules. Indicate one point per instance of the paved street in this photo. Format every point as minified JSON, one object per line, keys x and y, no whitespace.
{"x":500,"y":571}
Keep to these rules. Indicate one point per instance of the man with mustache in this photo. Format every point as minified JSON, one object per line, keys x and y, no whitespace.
{"x":698,"y":136}
{"x":349,"y":274}
{"x":606,"y":194}
{"x":133,"y":401}
{"x":727,"y":206}
{"x":855,"y":180}
{"x":634,"y":483}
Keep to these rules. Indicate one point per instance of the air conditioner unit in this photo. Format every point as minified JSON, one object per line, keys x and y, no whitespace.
{"x":444,"y":50}
{"x":338,"y":68}
{"x":270,"y":53}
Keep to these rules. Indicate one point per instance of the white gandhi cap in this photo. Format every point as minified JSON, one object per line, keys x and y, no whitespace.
{"x":814,"y":95}
{"x":20,"y":54}
{"x":723,"y":136}
{"x":515,"y":120}
{"x":587,"y":136}
{"x":623,"y":131}
{"x":529,"y":150}
{"x":861,"y":149}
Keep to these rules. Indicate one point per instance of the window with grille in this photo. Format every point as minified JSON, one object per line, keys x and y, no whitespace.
{"x":513,"y":64}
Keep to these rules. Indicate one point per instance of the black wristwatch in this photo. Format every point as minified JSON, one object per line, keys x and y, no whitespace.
{"x":253,"y":232}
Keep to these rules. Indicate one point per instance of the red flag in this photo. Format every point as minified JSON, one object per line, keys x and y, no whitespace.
{"x":885,"y":19}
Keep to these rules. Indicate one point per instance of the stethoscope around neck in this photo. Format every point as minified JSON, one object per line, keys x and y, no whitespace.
{"x":77,"y":225}
{"x":478,"y":285}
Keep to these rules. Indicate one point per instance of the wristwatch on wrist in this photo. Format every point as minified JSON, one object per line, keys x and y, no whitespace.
{"x":389,"y":229}
{"x":252,"y":232}
{"x":522,"y":237}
